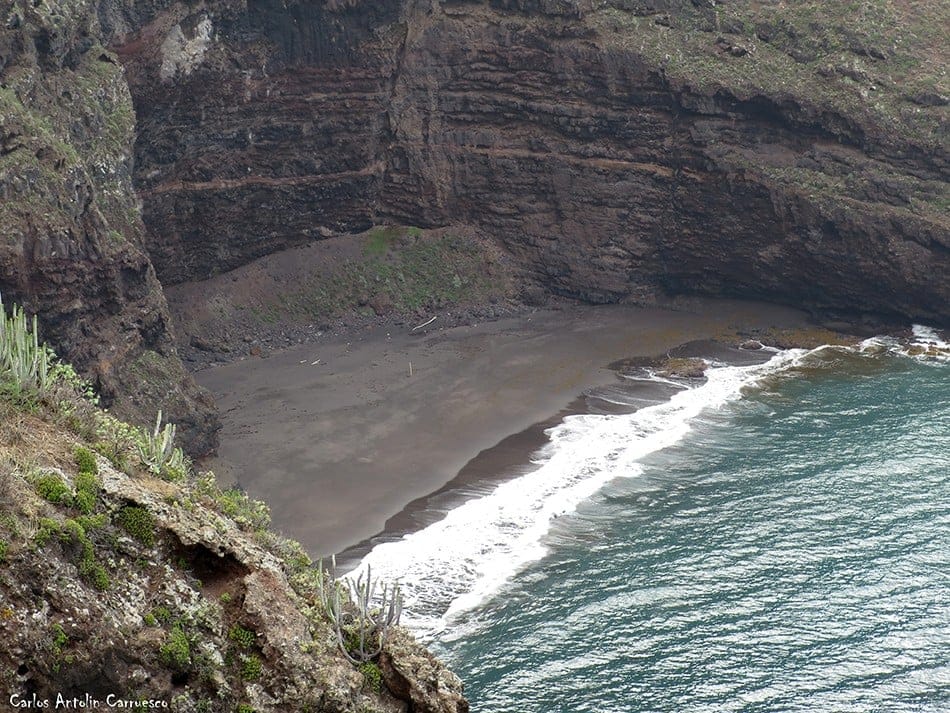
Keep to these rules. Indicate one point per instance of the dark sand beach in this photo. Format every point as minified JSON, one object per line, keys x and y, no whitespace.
{"x":339,"y":438}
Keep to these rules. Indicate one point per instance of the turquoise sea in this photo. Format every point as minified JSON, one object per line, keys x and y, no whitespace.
{"x":776,"y":538}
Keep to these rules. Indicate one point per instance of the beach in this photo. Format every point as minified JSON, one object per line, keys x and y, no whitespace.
{"x":340,"y":436}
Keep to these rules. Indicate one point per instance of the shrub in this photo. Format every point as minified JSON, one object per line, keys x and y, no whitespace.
{"x":29,"y":367}
{"x":86,"y":461}
{"x":87,"y":491}
{"x":289,"y":551}
{"x":372,"y":676}
{"x":162,"y":614}
{"x":251,"y":667}
{"x":3,"y":551}
{"x":159,"y":454}
{"x":85,"y":501}
{"x":95,"y":574}
{"x":360,"y":618}
{"x":23,"y":360}
{"x":139,"y":523}
{"x":116,"y":439}
{"x":47,"y":528}
{"x":58,"y":638}
{"x":245,"y":511}
{"x":92,"y":522}
{"x":74,"y":531}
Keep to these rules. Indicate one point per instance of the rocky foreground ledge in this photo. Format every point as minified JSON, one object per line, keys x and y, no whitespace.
{"x":119,"y":585}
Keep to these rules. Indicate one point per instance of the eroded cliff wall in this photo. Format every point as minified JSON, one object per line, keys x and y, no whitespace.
{"x":619,"y":150}
{"x":71,"y":234}
{"x":792,"y":152}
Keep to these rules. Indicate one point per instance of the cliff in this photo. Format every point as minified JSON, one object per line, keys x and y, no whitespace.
{"x":626,"y":150}
{"x":615,"y":151}
{"x":72,"y":242}
{"x":623,"y":150}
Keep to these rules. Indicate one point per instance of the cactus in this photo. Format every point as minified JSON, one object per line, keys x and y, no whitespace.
{"x":22,"y":356}
{"x":360,"y":611}
{"x":158,"y":452}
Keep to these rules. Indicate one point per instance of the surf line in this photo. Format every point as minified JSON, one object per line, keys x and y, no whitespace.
{"x":458,"y":562}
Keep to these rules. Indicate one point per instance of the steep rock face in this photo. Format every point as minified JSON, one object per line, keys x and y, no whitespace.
{"x":610,"y":179}
{"x":71,"y":242}
{"x":264,"y":135}
{"x":618,"y":153}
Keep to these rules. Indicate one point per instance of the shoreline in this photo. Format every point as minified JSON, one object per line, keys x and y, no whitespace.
{"x":346,"y":446}
{"x":510,"y":458}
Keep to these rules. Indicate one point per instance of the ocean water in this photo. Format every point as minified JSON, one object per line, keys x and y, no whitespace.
{"x":774,"y":539}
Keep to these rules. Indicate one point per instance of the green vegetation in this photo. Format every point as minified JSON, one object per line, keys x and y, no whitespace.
{"x":58,"y":641}
{"x":372,"y":676}
{"x":31,"y":376}
{"x":86,"y":461}
{"x":87,"y":489}
{"x":58,"y":638}
{"x":244,"y":638}
{"x":290,"y":552}
{"x":25,"y":364}
{"x":87,"y":481}
{"x":362,"y":611}
{"x":139,"y":523}
{"x":115,"y":440}
{"x":68,"y":126}
{"x":176,"y":651}
{"x":380,"y":239}
{"x":52,"y":488}
{"x":30,"y":373}
{"x":251,"y":667}
{"x":864,"y":59}
{"x":246,"y":512}
{"x":74,"y":532}
{"x":74,"y":524}
{"x":159,"y":453}
{"x":162,"y":614}
{"x":399,"y":270}
{"x":44,"y":533}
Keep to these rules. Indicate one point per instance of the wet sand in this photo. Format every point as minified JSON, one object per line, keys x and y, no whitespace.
{"x":339,"y":438}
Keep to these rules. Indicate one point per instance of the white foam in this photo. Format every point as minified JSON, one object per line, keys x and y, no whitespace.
{"x":930,"y":341}
{"x":458,"y":562}
{"x":927,"y":335}
{"x":926,"y":345}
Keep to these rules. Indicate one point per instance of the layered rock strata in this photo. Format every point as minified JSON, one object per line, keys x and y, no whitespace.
{"x":618,"y":153}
